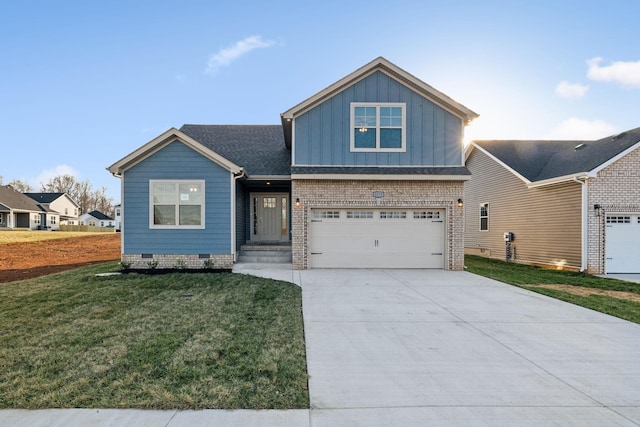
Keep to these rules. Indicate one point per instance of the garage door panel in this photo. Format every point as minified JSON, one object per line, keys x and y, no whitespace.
{"x":377,"y":239}
{"x":622,"y":247}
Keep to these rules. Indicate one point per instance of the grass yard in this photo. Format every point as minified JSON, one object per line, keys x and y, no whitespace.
{"x":28,"y":236}
{"x":615,"y":297}
{"x":183,"y":341}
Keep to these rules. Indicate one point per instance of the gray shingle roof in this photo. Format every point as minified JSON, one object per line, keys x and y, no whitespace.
{"x":13,"y":199}
{"x":100,"y":215}
{"x":44,"y":197}
{"x":259,"y":149}
{"x":540,"y":160}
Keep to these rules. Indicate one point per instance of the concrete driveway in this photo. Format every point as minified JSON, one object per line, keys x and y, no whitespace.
{"x":431,"y":347}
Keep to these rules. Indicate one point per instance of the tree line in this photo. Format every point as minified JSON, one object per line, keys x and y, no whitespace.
{"x":81,"y":192}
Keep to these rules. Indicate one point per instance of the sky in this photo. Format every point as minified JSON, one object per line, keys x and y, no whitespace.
{"x":84,"y":83}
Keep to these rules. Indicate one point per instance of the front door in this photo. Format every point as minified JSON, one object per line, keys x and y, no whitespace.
{"x":269,"y":217}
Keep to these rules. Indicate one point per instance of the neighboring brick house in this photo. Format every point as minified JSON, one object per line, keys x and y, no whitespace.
{"x":368,"y":172}
{"x":569,"y":204}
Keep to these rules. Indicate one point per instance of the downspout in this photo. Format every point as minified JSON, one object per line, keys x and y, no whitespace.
{"x":240,"y":174}
{"x":583,"y":224}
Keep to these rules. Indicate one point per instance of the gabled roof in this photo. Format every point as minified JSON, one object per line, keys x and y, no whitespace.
{"x":15,"y":200}
{"x":100,"y":215}
{"x":165,"y":139}
{"x":554,"y":161}
{"x":259,"y":149}
{"x":48,"y":197}
{"x":383,"y":65}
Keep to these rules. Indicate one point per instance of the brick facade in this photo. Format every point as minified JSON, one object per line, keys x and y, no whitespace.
{"x":359,"y":194}
{"x":177,"y":261}
{"x":617,"y":190}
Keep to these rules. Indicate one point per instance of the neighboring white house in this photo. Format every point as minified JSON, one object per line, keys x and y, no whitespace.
{"x":118,"y":212}
{"x":61,"y":203}
{"x":20,"y":211}
{"x":97,"y":219}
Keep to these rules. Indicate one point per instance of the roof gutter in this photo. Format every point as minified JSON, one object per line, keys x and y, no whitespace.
{"x":583,"y":223}
{"x":557,"y":180}
{"x":236,"y":177}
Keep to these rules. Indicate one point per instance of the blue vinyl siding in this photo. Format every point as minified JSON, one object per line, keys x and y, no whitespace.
{"x":433,"y":135}
{"x":177,"y":161}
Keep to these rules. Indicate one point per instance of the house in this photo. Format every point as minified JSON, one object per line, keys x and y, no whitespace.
{"x":367,"y":173}
{"x":61,"y":203}
{"x":97,"y":219}
{"x":20,"y":211}
{"x":568,"y":204}
{"x":118,"y":219}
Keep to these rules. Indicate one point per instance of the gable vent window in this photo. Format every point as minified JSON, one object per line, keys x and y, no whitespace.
{"x":378,"y":127}
{"x":176,"y":204}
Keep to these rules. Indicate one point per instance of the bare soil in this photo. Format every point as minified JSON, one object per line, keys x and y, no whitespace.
{"x":19,"y":261}
{"x":585,"y":292}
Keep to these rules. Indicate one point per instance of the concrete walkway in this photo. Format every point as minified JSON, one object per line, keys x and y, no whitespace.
{"x":430,"y":347}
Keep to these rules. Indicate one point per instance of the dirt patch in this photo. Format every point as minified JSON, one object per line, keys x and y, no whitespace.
{"x":585,"y":292}
{"x":20,"y":261}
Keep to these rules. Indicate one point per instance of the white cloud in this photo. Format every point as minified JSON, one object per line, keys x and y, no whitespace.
{"x":226,"y":56}
{"x":571,"y":90}
{"x":627,"y":73}
{"x":48,"y":174}
{"x":575,"y":128}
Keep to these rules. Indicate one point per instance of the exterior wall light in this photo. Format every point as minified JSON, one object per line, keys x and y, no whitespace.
{"x":460,"y":203}
{"x":297,"y":202}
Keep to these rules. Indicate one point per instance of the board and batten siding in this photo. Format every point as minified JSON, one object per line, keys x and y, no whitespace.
{"x":177,"y":162}
{"x":433,"y":135}
{"x":546,"y":221}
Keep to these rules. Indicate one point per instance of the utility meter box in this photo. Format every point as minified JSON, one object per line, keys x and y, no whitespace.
{"x":508,"y":236}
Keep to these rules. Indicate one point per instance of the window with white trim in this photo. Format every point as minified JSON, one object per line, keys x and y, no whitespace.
{"x":1,"y":218}
{"x":378,"y":126}
{"x":484,"y":216}
{"x":176,"y":204}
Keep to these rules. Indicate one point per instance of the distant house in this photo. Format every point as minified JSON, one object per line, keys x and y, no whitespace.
{"x":569,"y":204}
{"x":368,"y":172}
{"x":61,"y":203}
{"x":20,"y":211}
{"x":118,"y":213}
{"x":97,"y":219}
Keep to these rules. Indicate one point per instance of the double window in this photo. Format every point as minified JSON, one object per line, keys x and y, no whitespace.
{"x":378,"y":127}
{"x":176,"y":204}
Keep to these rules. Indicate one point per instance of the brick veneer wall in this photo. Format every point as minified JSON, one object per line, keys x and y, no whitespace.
{"x":359,"y":194}
{"x":616,"y":189}
{"x":177,"y":261}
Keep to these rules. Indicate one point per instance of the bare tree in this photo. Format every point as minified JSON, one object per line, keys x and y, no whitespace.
{"x":80,"y":191}
{"x":20,"y":186}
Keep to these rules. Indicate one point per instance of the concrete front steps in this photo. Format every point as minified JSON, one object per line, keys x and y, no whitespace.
{"x":275,"y":255}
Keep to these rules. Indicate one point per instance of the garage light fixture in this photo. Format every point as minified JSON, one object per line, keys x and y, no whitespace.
{"x":460,"y":203}
{"x":297,"y":202}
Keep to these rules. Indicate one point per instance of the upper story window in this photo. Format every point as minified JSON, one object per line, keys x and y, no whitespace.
{"x":378,"y":127}
{"x":176,"y":204}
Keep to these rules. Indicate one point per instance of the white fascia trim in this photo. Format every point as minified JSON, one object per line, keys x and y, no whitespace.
{"x":595,"y":171}
{"x":378,"y":177}
{"x":379,"y":64}
{"x":558,"y":180}
{"x":163,"y":140}
{"x":500,"y":162}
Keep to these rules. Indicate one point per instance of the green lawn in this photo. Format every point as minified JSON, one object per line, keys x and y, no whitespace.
{"x":528,"y":276}
{"x":151,"y":341}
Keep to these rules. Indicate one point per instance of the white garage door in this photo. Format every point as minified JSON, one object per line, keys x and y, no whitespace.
{"x":622,"y":246}
{"x":377,"y":238}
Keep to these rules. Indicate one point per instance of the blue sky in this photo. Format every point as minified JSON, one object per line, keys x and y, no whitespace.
{"x":84,"y":83}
